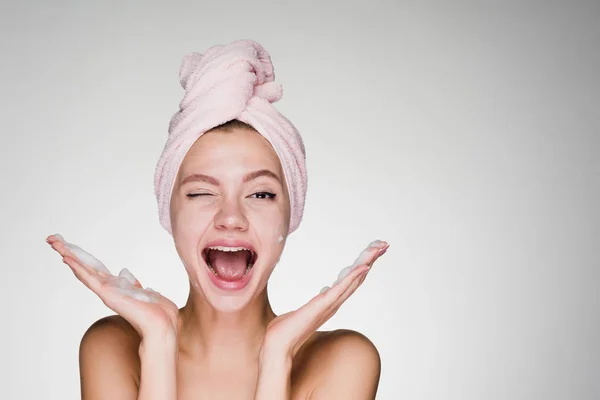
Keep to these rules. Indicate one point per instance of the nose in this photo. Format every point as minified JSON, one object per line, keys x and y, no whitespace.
{"x":231,"y":216}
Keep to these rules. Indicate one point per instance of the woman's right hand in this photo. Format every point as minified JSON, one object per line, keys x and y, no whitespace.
{"x":150,"y":313}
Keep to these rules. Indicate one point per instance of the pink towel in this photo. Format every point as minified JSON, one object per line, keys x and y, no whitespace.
{"x":226,"y":82}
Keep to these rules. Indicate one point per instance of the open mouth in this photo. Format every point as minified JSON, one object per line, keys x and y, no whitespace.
{"x":229,"y":263}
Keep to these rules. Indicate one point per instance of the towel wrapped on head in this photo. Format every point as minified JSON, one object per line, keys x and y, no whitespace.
{"x":226,"y":82}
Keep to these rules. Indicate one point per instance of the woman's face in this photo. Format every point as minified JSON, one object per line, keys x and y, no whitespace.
{"x":216,"y":197}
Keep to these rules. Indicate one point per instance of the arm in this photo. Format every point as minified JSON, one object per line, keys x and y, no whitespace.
{"x":274,"y":370}
{"x":158,"y":378}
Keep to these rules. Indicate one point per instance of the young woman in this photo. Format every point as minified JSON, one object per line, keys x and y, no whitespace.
{"x":231,"y":185}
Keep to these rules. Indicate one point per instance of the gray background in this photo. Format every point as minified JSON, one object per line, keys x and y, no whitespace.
{"x":466,"y":134}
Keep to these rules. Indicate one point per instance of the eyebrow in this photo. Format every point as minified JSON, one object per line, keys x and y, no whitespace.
{"x":214,"y":181}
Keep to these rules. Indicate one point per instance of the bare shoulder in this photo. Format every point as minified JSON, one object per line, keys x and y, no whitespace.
{"x":342,"y":362}
{"x":109,"y":363}
{"x":112,"y":334}
{"x":110,"y":326}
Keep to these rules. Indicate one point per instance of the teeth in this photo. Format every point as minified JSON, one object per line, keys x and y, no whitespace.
{"x":223,"y":248}
{"x":211,"y":268}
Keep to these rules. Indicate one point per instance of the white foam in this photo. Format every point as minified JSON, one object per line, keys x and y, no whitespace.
{"x":125,"y":273}
{"x":124,"y":283}
{"x":136,"y":293}
{"x":365,"y":256}
{"x":344,"y":273}
{"x":125,"y":287}
{"x":362,"y":259}
{"x":83,"y":256}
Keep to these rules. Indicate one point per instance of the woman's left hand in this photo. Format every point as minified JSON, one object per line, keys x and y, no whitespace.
{"x":286,"y":333}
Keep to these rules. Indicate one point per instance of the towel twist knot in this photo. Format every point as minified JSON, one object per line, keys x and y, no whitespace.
{"x":225,"y":78}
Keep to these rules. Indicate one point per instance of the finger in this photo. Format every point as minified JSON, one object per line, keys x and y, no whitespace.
{"x":65,"y":248}
{"x":135,"y":293}
{"x":339,"y":287}
{"x":362,"y":278}
{"x":366,"y":257}
{"x":332,"y":309}
{"x":323,"y":301}
{"x":330,"y":312}
{"x":126,"y":284}
{"x":328,"y":296}
{"x":58,"y":243}
{"x":379,"y":254}
{"x":364,"y":261}
{"x":87,"y":259}
{"x":102,"y":287}
{"x":53,"y":238}
{"x":85,"y":275}
{"x":357,"y":282}
{"x":369,"y":254}
{"x":380,"y":251}
{"x":59,"y":247}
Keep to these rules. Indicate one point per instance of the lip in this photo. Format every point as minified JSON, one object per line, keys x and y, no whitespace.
{"x":230,"y":243}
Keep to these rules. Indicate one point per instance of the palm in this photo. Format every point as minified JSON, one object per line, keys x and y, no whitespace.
{"x":146,"y":310}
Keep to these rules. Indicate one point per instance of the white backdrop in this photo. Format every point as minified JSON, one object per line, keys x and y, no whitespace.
{"x":466,"y":134}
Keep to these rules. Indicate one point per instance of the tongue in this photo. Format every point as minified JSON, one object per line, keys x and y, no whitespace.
{"x":229,"y":265}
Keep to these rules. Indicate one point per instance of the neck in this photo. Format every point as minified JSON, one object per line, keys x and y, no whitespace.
{"x":216,"y":336}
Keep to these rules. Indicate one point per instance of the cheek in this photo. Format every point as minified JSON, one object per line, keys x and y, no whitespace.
{"x":188,"y":225}
{"x":271,"y":223}
{"x":283,"y":224}
{"x":279,"y":229}
{"x":188,"y":220}
{"x":279,"y":234}
{"x":270,"y":228}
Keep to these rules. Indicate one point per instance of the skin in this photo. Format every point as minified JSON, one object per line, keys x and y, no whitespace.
{"x":154,"y":350}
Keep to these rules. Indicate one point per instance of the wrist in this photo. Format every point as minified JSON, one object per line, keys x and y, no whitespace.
{"x":275,"y":358}
{"x":166,"y":341}
{"x":274,"y":375}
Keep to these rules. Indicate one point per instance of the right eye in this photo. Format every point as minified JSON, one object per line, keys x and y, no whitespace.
{"x":198,"y":194}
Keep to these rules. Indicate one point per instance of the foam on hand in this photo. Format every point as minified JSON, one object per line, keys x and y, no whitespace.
{"x":135,"y":292}
{"x":362,"y":259}
{"x":83,"y":256}
{"x":124,"y":283}
{"x":125,"y":273}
